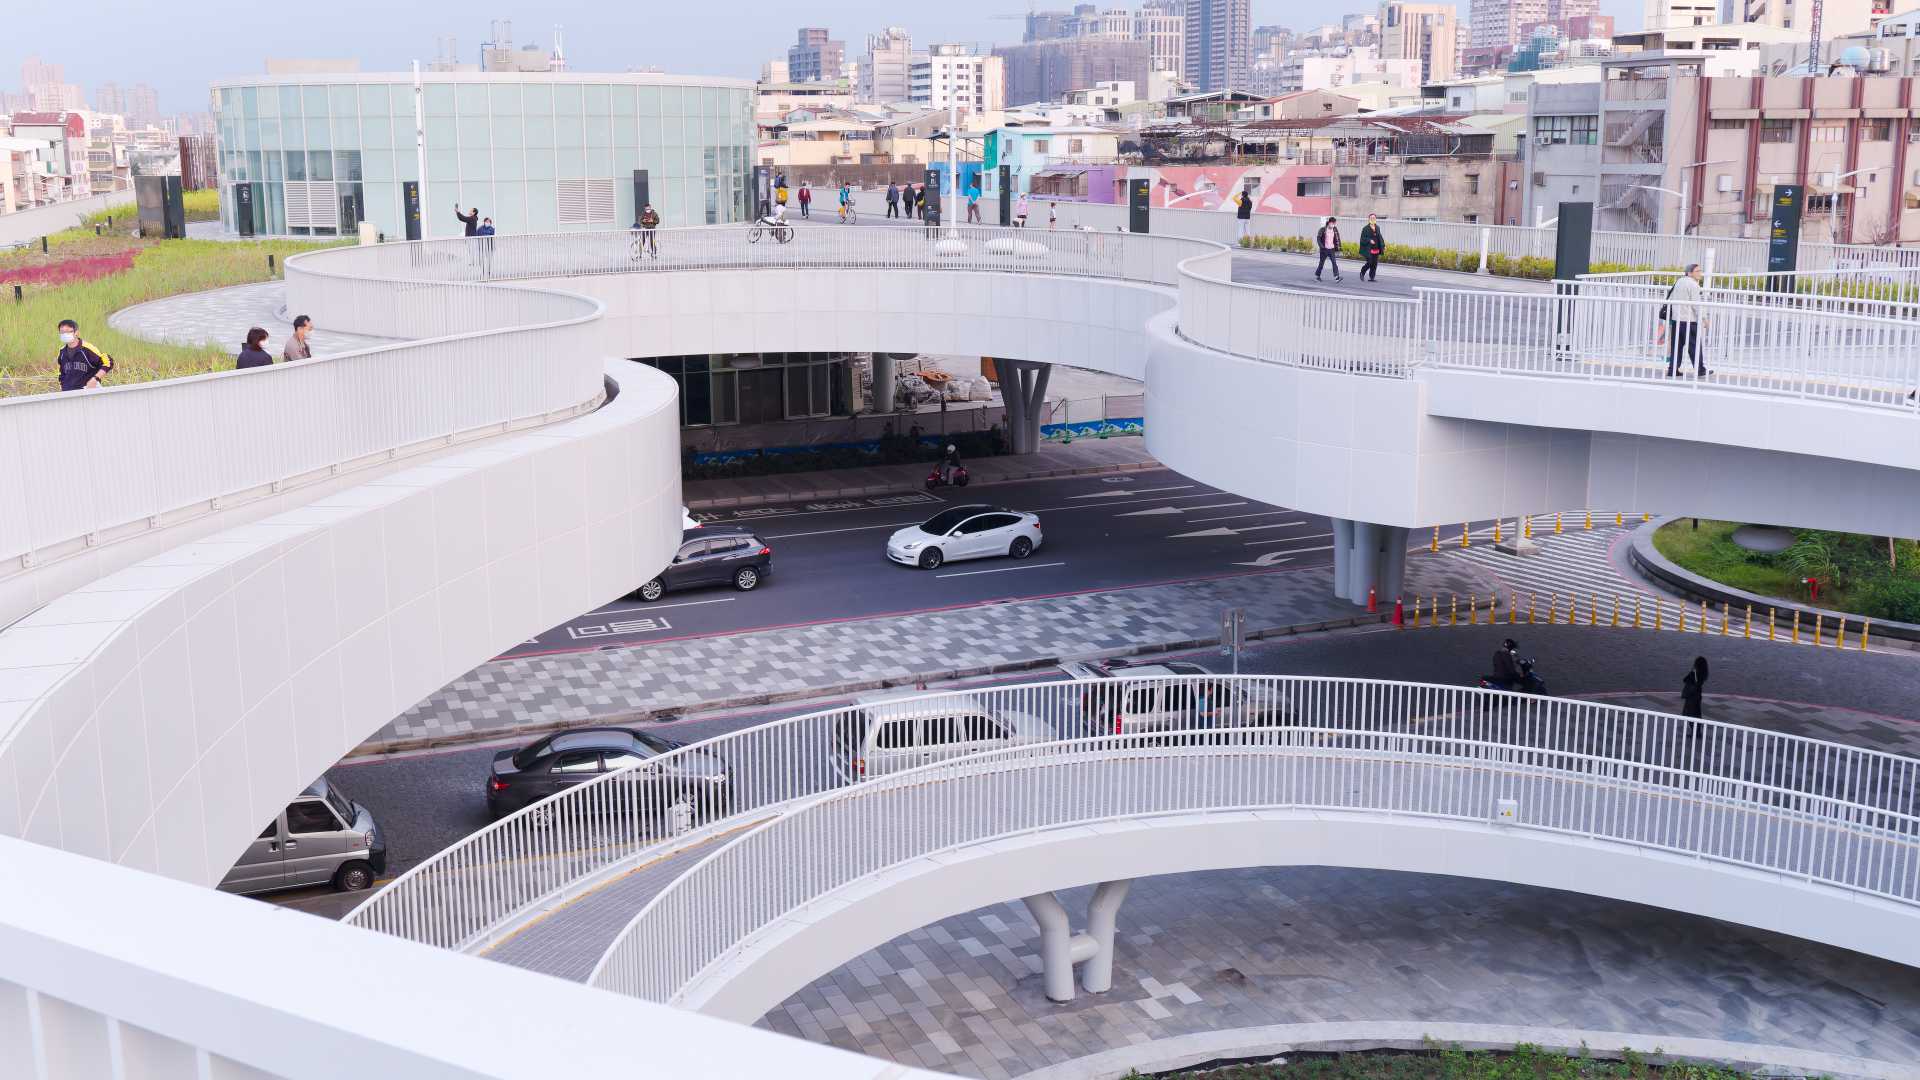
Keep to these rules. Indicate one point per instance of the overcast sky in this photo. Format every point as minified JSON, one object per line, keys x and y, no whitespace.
{"x":179,"y":48}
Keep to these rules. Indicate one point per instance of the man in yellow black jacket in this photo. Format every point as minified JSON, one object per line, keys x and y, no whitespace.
{"x":81,"y":365}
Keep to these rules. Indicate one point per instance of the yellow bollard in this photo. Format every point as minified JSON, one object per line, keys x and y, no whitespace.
{"x":1682,"y":613}
{"x":1637,"y":598}
{"x":1796,"y":626}
{"x":1527,"y":527}
{"x":1416,"y":612}
{"x":1436,"y":538}
{"x":1473,"y":609}
{"x":1556,"y":523}
{"x":1646,"y":517}
{"x":1589,"y":519}
{"x":1496,"y":530}
{"x":1864,"y":627}
{"x":1749,"y":634}
{"x":1532,"y":602}
{"x":1466,"y":534}
{"x":1453,"y":609}
{"x":1840,"y":634}
{"x":1553,"y":610}
{"x":1818,"y":630}
{"x":1616,"y":611}
{"x":1619,"y":518}
{"x":1513,"y":608}
{"x":1771,"y":636}
{"x":1659,"y":614}
{"x":1703,"y":616}
{"x":1724,"y":609}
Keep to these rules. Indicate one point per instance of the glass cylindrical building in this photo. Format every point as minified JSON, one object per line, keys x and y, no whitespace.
{"x":315,"y":155}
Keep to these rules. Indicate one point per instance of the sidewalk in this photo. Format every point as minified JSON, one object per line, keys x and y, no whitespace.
{"x":824,"y":659}
{"x":223,"y":316}
{"x":1080,"y":458}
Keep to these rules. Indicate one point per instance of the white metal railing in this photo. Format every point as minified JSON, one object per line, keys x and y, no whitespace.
{"x":1821,"y":812}
{"x":146,"y":456}
{"x":1295,"y":327}
{"x":531,"y":861}
{"x":1838,"y":295}
{"x":1747,"y":347}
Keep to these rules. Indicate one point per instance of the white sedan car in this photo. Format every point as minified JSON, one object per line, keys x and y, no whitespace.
{"x":966,"y":532}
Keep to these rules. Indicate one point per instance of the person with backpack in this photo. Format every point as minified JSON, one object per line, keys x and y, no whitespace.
{"x":1243,"y":209}
{"x":1327,"y":242}
{"x":81,"y":365}
{"x":1372,"y":245}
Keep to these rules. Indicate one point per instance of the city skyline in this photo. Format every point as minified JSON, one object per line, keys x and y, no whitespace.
{"x":596,"y":38}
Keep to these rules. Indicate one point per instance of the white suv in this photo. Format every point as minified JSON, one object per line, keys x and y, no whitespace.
{"x":1160,"y":700}
{"x":894,"y":730}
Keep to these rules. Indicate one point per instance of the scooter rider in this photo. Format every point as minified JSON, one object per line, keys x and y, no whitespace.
{"x":949,"y":463}
{"x":1506,"y":665}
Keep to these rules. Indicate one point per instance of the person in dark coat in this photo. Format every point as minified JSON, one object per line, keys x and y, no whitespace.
{"x":1691,"y":689}
{"x":470,"y":221}
{"x":1327,"y":242}
{"x":1372,"y":245}
{"x":254,"y":352}
{"x":1243,"y":210}
{"x":893,"y":199}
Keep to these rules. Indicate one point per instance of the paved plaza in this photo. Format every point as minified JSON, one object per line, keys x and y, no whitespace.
{"x":824,"y":658}
{"x":1251,"y":948}
{"x":222,"y":317}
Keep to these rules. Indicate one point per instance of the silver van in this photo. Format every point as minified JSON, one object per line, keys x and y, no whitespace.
{"x":321,"y":838}
{"x":895,"y":730}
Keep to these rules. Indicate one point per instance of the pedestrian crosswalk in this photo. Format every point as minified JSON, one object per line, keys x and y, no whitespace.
{"x":1576,"y":564}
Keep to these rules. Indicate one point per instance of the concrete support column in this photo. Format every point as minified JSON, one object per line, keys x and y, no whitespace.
{"x":883,"y":374}
{"x":1342,"y":557}
{"x":1060,"y":948}
{"x":1364,"y":563}
{"x":1393,"y":563}
{"x":1103,"y":911}
{"x":1023,"y":387}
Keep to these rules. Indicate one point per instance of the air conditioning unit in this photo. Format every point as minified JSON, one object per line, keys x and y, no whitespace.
{"x":1725,"y":183}
{"x":1543,"y":140}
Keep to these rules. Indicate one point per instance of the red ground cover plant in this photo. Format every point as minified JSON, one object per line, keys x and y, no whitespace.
{"x":68,"y":271}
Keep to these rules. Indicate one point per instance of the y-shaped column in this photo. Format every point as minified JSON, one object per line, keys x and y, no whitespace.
{"x":1061,"y":948}
{"x":1023,"y":387}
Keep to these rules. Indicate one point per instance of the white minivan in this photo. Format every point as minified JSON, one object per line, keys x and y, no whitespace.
{"x":321,"y":838}
{"x":890,"y":731}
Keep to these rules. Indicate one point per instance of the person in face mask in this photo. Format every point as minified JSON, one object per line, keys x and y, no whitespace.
{"x":80,"y":363}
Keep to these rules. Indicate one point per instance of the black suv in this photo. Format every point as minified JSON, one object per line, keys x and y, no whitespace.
{"x":713,"y":556}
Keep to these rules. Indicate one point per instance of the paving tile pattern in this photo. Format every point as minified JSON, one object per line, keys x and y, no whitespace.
{"x":1231,"y":949}
{"x":223,"y":316}
{"x":580,"y":687}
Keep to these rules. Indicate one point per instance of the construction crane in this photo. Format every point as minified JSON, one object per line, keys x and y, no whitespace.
{"x":1813,"y":44}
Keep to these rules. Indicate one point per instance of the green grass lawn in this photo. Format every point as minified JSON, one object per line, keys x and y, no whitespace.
{"x":1520,"y":1063}
{"x":1860,"y":575}
{"x":29,"y":337}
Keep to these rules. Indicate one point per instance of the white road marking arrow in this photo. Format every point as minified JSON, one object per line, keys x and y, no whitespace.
{"x":1222,"y":530}
{"x":1271,"y":558}
{"x":1131,"y":492}
{"x":1150,"y":513}
{"x":1204,"y":532}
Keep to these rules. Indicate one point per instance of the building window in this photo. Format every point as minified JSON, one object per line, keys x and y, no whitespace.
{"x":1473,"y":183}
{"x":1378,"y":185}
{"x":1728,"y":125}
{"x":1313,"y":187}
{"x":1420,"y":189}
{"x":1040,"y":146}
{"x":1473,"y":219}
{"x":1820,"y":204}
{"x":1830,"y":131}
{"x":1349,"y":186}
{"x":1776,"y":131}
{"x":1076,"y":146}
{"x":1584,"y":130}
{"x":1878,"y":130}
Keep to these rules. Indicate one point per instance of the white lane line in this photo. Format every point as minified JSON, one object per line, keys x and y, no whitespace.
{"x":1258,"y":528}
{"x":851,"y":528}
{"x":1103,"y":506}
{"x":1291,"y":539}
{"x":1234,"y":517}
{"x":659,"y":607}
{"x":1131,"y":491}
{"x":1003,"y":569}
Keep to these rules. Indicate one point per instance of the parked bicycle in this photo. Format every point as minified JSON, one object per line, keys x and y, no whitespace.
{"x":779,"y":230}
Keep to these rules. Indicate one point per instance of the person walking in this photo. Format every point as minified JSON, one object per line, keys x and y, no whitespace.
{"x":1372,"y":246}
{"x":81,"y":365}
{"x":1020,"y":210}
{"x":893,"y":199}
{"x":649,"y":221}
{"x":485,"y":238}
{"x":1243,"y":209}
{"x":1692,"y":687}
{"x":254,"y":353}
{"x":297,"y":347}
{"x":1053,"y":215}
{"x":806,"y":199}
{"x":1683,"y":320}
{"x":973,"y":205}
{"x":1327,"y":242}
{"x":780,"y":193}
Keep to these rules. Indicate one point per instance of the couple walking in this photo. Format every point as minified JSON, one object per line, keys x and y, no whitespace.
{"x":1372,"y":244}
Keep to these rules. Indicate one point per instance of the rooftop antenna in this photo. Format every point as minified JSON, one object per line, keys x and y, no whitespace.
{"x":559,"y":53}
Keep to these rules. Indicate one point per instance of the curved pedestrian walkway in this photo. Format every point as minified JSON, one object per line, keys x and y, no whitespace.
{"x":1253,"y":948}
{"x":222,"y":317}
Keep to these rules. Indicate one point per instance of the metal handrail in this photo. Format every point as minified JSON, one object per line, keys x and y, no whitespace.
{"x":1870,"y":848}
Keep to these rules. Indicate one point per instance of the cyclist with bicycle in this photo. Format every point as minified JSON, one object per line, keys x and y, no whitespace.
{"x":846,"y":202}
{"x":775,"y":223}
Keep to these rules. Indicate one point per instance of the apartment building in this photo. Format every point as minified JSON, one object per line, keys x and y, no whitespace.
{"x":1162,"y":24}
{"x":1044,"y":70}
{"x":958,"y":75}
{"x":816,"y":56}
{"x":1428,"y":33}
{"x":886,"y":71}
{"x":1422,"y":169}
{"x":1219,"y":52}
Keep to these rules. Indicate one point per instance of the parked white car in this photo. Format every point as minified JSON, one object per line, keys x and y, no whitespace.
{"x":966,"y":532}
{"x":893,"y":730}
{"x":1158,"y":702}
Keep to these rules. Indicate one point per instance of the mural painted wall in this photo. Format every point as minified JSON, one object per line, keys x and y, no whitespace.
{"x":1211,"y":187}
